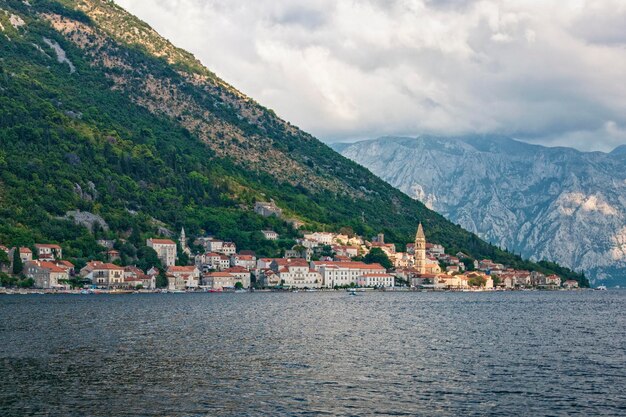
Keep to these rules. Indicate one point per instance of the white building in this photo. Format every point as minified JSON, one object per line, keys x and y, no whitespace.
{"x":48,"y":251}
{"x":212,"y":261}
{"x":106,"y":274}
{"x":228,"y":248}
{"x":297,"y":274}
{"x":376,"y":280}
{"x":190,"y":274}
{"x":218,"y":280}
{"x":270,"y":234}
{"x":165,"y":249}
{"x":323,"y":238}
{"x":245,"y":261}
{"x":345,"y":273}
{"x":241,"y":275}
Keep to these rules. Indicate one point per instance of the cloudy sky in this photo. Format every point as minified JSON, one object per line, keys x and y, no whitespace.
{"x":548,"y":71}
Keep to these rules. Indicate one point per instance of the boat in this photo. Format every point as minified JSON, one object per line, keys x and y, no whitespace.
{"x":601,"y":288}
{"x":352,"y":292}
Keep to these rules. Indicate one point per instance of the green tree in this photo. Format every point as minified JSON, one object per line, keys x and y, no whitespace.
{"x":6,"y":280}
{"x":147,"y":258}
{"x":327,"y":250}
{"x":469,"y":264}
{"x":183,"y":258}
{"x":26,"y":283}
{"x":377,"y":255}
{"x":4,"y":259}
{"x":477,"y":281}
{"x":161,"y":279}
{"x":18,"y":266}
{"x":238,"y":285}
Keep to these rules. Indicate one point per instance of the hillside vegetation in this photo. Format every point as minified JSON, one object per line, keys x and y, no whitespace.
{"x":100,"y":114}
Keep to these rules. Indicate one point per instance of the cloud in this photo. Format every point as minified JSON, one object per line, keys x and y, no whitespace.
{"x":550,"y":71}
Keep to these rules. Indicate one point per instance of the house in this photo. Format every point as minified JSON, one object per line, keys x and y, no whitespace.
{"x":444,"y":281}
{"x":296,"y":273}
{"x":106,"y":274}
{"x":388,"y":248}
{"x":113,"y":255}
{"x":267,"y":209}
{"x":322,"y":238}
{"x":48,"y":251}
{"x":165,"y":249}
{"x":270,"y":234}
{"x":241,"y":274}
{"x":175,"y":282}
{"x":416,"y":280}
{"x":553,"y":281}
{"x":299,"y":252}
{"x":378,"y":280}
{"x":67,"y":265}
{"x":228,"y":249}
{"x":46,"y":274}
{"x":348,"y":251}
{"x":190,"y":274}
{"x":246,"y":261}
{"x":26,"y":254}
{"x":344,"y":273}
{"x":570,"y":284}
{"x":212,"y":261}
{"x":269,"y":278}
{"x":432,"y":266}
{"x":264,"y":263}
{"x":218,"y":280}
{"x":435,"y":250}
{"x":134,"y":277}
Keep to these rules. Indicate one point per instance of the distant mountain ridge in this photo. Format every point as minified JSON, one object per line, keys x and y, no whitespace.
{"x":558,"y":204}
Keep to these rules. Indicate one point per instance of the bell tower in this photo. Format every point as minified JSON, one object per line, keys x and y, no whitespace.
{"x":420,"y":250}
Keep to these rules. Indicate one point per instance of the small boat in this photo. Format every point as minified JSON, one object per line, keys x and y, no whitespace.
{"x":601,"y":288}
{"x":352,"y":292}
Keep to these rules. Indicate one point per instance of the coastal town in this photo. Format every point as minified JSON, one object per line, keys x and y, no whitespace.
{"x":319,"y":261}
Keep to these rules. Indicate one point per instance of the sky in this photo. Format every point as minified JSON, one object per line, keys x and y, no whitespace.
{"x":546,"y":71}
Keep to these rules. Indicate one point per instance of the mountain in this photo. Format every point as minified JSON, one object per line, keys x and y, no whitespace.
{"x":108,"y":130}
{"x":557,"y":204}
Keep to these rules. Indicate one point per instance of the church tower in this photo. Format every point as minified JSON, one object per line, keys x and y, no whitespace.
{"x":183,"y":242}
{"x":420,"y":250}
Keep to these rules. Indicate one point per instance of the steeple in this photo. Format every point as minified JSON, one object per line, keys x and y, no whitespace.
{"x":183,"y":242}
{"x":420,"y":250}
{"x":420,"y":232}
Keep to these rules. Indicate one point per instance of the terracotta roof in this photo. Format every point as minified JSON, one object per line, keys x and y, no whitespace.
{"x":108,"y":267}
{"x":181,"y":269}
{"x":47,"y":245}
{"x":236,"y":269}
{"x":349,"y":265}
{"x":219,"y":274}
{"x":51,"y":267}
{"x":163,"y":241}
{"x":66,"y":264}
{"x":25,"y":250}
{"x":245,"y":257}
{"x":376,"y":275}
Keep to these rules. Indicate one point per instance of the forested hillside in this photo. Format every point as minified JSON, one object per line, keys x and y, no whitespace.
{"x":100,"y":114}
